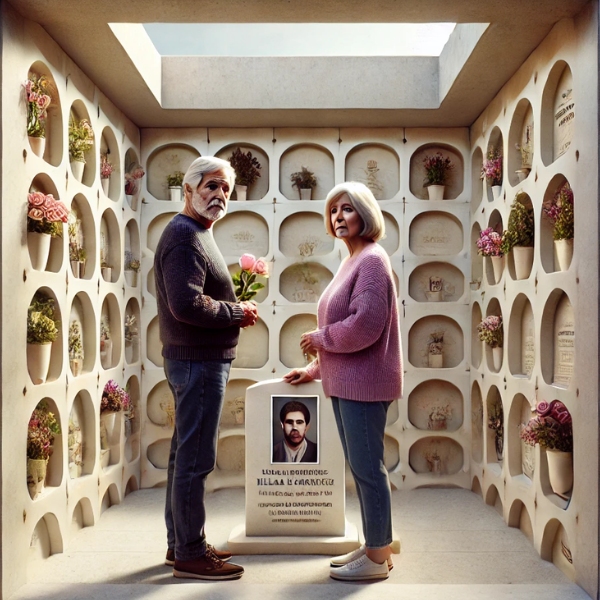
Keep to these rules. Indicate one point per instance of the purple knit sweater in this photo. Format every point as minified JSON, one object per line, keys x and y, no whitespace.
{"x":358,"y":336}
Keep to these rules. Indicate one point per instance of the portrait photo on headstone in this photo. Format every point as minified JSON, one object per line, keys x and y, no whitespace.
{"x":295,"y":429}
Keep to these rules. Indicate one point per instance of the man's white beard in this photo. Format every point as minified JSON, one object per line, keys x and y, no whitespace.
{"x":206,"y":212}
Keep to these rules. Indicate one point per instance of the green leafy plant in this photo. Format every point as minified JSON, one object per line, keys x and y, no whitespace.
{"x":303,"y":179}
{"x":491,"y":331}
{"x":81,"y":139}
{"x":42,"y":428}
{"x":246,"y":167}
{"x":496,"y":418}
{"x":437,"y":169}
{"x":39,"y":91}
{"x":75,"y":345}
{"x":131,"y":263}
{"x":42,"y":324}
{"x":175,"y":179}
{"x":521,"y":226}
{"x":560,"y":212}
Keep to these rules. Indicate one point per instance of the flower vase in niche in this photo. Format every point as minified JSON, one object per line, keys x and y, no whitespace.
{"x":45,"y":218}
{"x":42,"y":332}
{"x":106,"y":344}
{"x":114,"y":400}
{"x":438,"y":418}
{"x":499,"y":443}
{"x":560,"y":213}
{"x":305,"y":182}
{"x":247,"y":171}
{"x":81,"y":140}
{"x":39,"y":92}
{"x":370,"y":179}
{"x":496,"y":424}
{"x":436,"y":289}
{"x":434,"y":462}
{"x":491,"y":171}
{"x":491,"y":331}
{"x":525,"y":149}
{"x":175,"y":185}
{"x":75,"y":445}
{"x":132,"y":267}
{"x":131,"y":338}
{"x":435,"y":347}
{"x":490,"y":244}
{"x":41,"y":431}
{"x":520,"y":236}
{"x":106,"y":169}
{"x":133,"y":184}
{"x":437,"y":169}
{"x":75,"y":348}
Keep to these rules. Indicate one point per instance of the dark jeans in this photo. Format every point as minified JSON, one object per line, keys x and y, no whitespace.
{"x":362,"y":428}
{"x":198,"y":389}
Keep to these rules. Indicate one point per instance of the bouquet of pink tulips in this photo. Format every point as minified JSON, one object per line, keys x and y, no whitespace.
{"x":246,"y":286}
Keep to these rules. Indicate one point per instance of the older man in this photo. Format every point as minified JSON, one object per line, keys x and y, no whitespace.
{"x":200,"y":320}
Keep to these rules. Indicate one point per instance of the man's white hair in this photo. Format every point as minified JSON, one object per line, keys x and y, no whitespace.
{"x":208,"y":164}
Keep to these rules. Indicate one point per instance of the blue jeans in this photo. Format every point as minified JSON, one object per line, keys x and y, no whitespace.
{"x":198,"y":389}
{"x":362,"y":428}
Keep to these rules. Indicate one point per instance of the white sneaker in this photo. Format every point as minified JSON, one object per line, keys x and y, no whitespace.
{"x":340,"y":561}
{"x":360,"y":569}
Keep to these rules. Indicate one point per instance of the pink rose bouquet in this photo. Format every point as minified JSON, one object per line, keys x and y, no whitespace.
{"x":39,"y":97}
{"x":106,"y":167}
{"x":246,"y":286}
{"x":490,"y":243}
{"x":45,"y":214}
{"x":551,"y":428}
{"x":492,"y":168}
{"x":491,"y":331}
{"x":132,"y":179}
{"x":114,"y":398}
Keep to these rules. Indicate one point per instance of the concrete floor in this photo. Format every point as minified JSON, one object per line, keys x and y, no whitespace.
{"x":453,"y":546}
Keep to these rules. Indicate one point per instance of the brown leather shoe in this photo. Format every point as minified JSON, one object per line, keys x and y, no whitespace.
{"x":207,"y":567}
{"x":223,"y":555}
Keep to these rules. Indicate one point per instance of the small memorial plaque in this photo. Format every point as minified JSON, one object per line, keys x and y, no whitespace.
{"x":564,"y":342}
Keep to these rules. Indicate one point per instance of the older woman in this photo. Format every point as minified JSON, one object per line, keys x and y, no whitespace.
{"x":360,"y":363}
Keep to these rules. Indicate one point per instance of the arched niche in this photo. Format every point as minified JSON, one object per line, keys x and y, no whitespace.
{"x":420,"y":334}
{"x":151,"y":282}
{"x":556,"y":548}
{"x":524,"y":199}
{"x":393,"y":413}
{"x":164,"y":161}
{"x":234,"y":403}
{"x":131,"y":159}
{"x":493,"y":498}
{"x":260,"y":188}
{"x":495,"y":142}
{"x":82,"y":234}
{"x":262,"y":295}
{"x":377,"y":166}
{"x":242,"y":232}
{"x":436,"y":275}
{"x":436,"y":456}
{"x":494,"y":309}
{"x":476,"y":343}
{"x":153,"y":343}
{"x":493,"y":406}
{"x":161,"y":406}
{"x":518,"y":516}
{"x":78,"y":112}
{"x":391,"y":242}
{"x":303,"y":235}
{"x":156,"y":228}
{"x":495,"y":222}
{"x":110,"y":354}
{"x":476,"y":487}
{"x":391,"y":453}
{"x":304,"y":282}
{"x":521,"y":456}
{"x":110,"y":147}
{"x":558,"y":113}
{"x":110,"y":244}
{"x":82,"y":311}
{"x":133,"y":420}
{"x":131,"y":332}
{"x":56,"y":352}
{"x":476,"y":185}
{"x":546,"y":243}
{"x":44,"y":183}
{"x":476,"y":423}
{"x":455,"y":178}
{"x":520,"y":143}
{"x":53,"y":150}
{"x":158,"y":453}
{"x":82,"y":516}
{"x":435,"y":233}
{"x":231,"y":454}
{"x":253,"y":347}
{"x":132,"y":485}
{"x":316,"y":159}
{"x":81,"y":442}
{"x":46,"y":540}
{"x":132,"y":248}
{"x":558,"y":340}
{"x":436,"y":405}
{"x":290,"y":353}
{"x":476,"y":258}
{"x":521,"y":338}
{"x":110,"y":498}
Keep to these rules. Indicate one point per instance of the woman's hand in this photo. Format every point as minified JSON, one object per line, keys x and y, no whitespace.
{"x":307,"y":345}
{"x":296,"y":376}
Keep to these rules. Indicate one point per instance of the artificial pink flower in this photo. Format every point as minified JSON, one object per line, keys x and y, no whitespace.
{"x":36,"y":198}
{"x":247,"y":262}
{"x":35,"y":213}
{"x":260,"y":268}
{"x":543,"y":408}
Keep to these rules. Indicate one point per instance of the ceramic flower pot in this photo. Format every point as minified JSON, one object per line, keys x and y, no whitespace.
{"x":496,"y":191}
{"x":497,"y":358}
{"x":436,"y":192}
{"x":131,"y":278}
{"x":128,"y":352}
{"x":39,"y":249}
{"x":75,"y":470}
{"x":498,"y":267}
{"x":522,"y":173}
{"x":77,"y":167}
{"x":499,"y":444}
{"x":75,"y":268}
{"x":82,"y":269}
{"x":132,"y":200}
{"x":240,"y":191}
{"x":175,"y":193}
{"x":38,"y":361}
{"x":104,"y":458}
{"x":36,"y":475}
{"x":76,"y":365}
{"x":38,"y":145}
{"x":106,"y":348}
{"x":523,"y":258}
{"x":434,"y":296}
{"x":560,"y":471}
{"x":105,"y":181}
{"x":305,"y":193}
{"x":563,"y":254}
{"x":106,"y":273}
{"x":435,"y":361}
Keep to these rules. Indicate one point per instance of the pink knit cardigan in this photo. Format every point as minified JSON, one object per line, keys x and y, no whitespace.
{"x":358,"y":336}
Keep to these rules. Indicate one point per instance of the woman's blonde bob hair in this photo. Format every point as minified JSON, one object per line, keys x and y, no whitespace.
{"x":364,"y":204}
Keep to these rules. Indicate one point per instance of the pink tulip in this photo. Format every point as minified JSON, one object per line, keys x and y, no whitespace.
{"x":247,"y":262}
{"x":260,"y":267}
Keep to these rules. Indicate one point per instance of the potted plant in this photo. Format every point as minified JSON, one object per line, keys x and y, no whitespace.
{"x":81,"y":140}
{"x":41,"y":431}
{"x":435,"y":293}
{"x":305,"y":182}
{"x":175,"y":183}
{"x":106,"y":344}
{"x":246,"y":169}
{"x":75,"y":348}
{"x":552,"y":429}
{"x":519,"y":237}
{"x":133,"y":177}
{"x":77,"y":254}
{"x":45,"y":218}
{"x":75,"y":446}
{"x":438,"y":417}
{"x":491,"y":171}
{"x":39,"y":91}
{"x":490,"y":244}
{"x":437,"y":169}
{"x":526,"y":152}
{"x":496,"y":424}
{"x":132,"y":268}
{"x":114,"y":400}
{"x":491,"y":331}
{"x":106,"y":271}
{"x":106,"y":169}
{"x":131,"y":338}
{"x":435,"y":348}
{"x":560,"y":212}
{"x":434,"y":462}
{"x":42,"y":332}
{"x":129,"y":414}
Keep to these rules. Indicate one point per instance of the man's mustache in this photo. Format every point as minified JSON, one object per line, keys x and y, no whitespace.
{"x":216,"y":202}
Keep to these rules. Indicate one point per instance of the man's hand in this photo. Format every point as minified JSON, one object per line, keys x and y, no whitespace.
{"x":250,"y":314}
{"x":296,"y":376}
